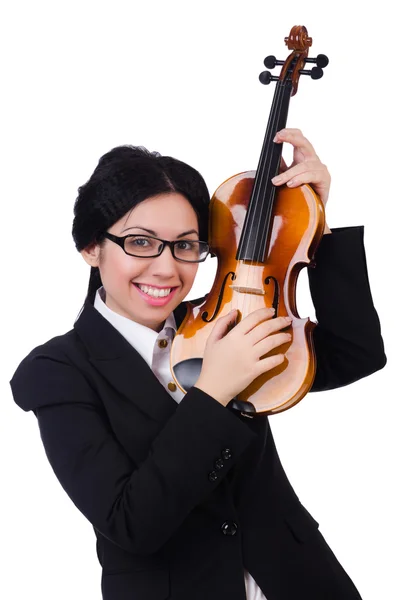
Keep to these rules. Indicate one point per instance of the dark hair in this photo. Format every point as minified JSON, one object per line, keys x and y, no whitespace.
{"x":124,"y":177}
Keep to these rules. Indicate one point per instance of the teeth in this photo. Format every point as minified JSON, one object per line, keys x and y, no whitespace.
{"x":154,"y":292}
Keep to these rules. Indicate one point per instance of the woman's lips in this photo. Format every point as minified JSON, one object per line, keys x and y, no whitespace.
{"x":156,"y":287}
{"x":160,"y":301}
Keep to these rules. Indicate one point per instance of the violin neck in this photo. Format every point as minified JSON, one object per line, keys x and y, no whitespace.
{"x":258,"y":218}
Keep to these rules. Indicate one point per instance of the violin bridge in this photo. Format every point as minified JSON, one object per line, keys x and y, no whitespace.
{"x":248,"y":290}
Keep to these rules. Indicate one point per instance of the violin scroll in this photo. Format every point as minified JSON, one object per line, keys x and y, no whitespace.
{"x":298,"y":39}
{"x":293,"y":67}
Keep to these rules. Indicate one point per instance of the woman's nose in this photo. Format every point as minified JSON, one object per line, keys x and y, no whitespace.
{"x":166,"y":261}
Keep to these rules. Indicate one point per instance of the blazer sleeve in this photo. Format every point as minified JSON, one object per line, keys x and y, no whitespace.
{"x":347,"y":339}
{"x":137,"y":508}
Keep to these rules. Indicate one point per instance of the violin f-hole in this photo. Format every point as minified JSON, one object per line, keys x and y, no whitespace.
{"x":220,"y":298}
{"x":276,"y":294}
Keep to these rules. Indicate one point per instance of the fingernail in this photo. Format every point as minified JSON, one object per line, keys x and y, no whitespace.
{"x":290,"y":183}
{"x":277,"y":179}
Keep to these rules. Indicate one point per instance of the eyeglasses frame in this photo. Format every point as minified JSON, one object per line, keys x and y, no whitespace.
{"x":120,"y":242}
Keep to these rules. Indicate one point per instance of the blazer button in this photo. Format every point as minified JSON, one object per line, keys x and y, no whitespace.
{"x":213,"y":476}
{"x":229,"y":528}
{"x":226,"y":453}
{"x":218,"y":464}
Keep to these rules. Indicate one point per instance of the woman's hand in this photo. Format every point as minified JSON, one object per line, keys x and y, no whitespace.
{"x":233,"y":359}
{"x":305,"y":168}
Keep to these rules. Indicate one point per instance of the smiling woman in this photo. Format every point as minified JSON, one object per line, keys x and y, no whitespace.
{"x":122,"y":274}
{"x":187,"y":498}
{"x":134,"y":189}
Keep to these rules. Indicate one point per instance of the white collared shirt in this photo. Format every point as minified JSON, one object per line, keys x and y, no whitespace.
{"x":146,"y":342}
{"x":156,"y":353}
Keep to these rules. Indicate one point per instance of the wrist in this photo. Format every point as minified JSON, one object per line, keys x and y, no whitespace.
{"x":211,"y":391}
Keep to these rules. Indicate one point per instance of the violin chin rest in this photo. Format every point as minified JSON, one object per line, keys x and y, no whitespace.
{"x":188,"y":371}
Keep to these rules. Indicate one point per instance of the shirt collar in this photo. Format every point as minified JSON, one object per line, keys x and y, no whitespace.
{"x":142,"y":338}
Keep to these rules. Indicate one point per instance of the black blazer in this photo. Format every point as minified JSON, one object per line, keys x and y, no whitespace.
{"x":183,"y":496}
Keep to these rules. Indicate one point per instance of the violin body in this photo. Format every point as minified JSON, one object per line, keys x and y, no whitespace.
{"x":296,"y":230}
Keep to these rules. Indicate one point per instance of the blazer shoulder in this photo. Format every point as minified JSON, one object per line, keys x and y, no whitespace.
{"x":48,"y":375}
{"x":56,"y":348}
{"x":198,"y":301}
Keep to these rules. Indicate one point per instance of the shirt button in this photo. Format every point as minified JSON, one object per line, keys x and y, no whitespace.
{"x":226,"y":453}
{"x":172,"y":386}
{"x":229,"y":528}
{"x":162,"y":343}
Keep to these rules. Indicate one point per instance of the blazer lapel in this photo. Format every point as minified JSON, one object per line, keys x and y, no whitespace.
{"x":122,"y":366}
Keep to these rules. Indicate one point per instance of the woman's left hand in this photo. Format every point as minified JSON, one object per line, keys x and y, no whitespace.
{"x":305,"y":168}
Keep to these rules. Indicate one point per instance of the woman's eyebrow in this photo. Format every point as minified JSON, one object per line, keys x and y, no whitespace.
{"x":155,"y":234}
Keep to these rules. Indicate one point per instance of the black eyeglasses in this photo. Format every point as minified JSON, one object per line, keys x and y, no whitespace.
{"x":145,"y":246}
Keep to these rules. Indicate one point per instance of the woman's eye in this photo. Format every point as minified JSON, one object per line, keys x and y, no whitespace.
{"x":184,"y":245}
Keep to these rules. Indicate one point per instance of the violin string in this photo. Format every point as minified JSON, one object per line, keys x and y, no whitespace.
{"x":258,"y":184}
{"x":263,"y":176}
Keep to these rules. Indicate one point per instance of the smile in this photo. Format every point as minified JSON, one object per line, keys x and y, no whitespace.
{"x":155,"y":292}
{"x":155,"y":296}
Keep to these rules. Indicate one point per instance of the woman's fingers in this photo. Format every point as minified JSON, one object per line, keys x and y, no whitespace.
{"x":304,"y":172}
{"x":298,"y":140}
{"x":268,"y":328}
{"x":306,"y":166}
{"x":270,"y":343}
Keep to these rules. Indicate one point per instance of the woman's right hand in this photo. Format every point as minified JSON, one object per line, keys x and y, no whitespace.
{"x":232,"y":360}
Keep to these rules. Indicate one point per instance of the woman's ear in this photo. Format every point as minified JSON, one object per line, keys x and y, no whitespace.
{"x":91,"y":254}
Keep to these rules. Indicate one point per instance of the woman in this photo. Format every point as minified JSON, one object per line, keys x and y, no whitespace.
{"x":187,"y":497}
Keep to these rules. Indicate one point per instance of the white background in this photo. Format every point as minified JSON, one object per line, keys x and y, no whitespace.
{"x":79,"y":78}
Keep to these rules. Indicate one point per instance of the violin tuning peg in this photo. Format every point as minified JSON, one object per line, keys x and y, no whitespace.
{"x":321,"y":60}
{"x":270,"y":62}
{"x":266,"y":77}
{"x":315,"y":72}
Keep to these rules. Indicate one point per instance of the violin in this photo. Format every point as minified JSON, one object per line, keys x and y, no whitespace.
{"x":262,"y":236}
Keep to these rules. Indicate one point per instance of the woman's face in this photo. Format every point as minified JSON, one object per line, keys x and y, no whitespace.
{"x":167,"y":216}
